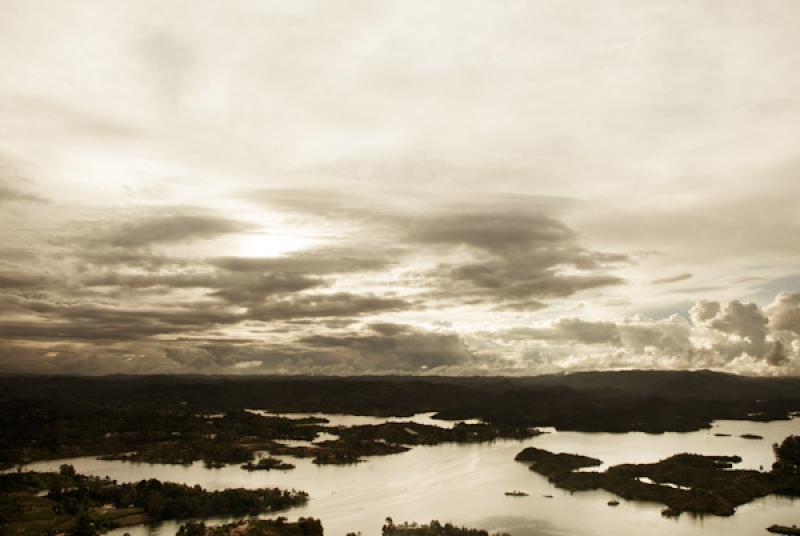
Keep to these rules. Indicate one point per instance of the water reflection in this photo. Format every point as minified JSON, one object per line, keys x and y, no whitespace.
{"x":339,"y":419}
{"x":466,"y":484}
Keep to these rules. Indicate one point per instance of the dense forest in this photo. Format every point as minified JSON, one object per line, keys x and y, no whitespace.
{"x":304,"y":526}
{"x":184,"y":419}
{"x":683,"y":482}
{"x":434,"y":528}
{"x":43,"y":503}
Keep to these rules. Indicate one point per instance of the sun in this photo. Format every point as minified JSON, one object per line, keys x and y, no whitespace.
{"x":267,"y":244}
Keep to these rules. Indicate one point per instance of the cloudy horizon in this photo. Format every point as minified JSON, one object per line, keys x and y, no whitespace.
{"x":354,"y":187}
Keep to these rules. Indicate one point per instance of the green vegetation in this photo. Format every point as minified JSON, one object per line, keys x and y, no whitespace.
{"x":213,"y":452}
{"x":41,"y":503}
{"x":782,"y":529}
{"x":683,"y":483}
{"x":182,"y":433}
{"x":786,"y":469}
{"x":305,"y":526}
{"x":409,"y":433}
{"x":553,"y":465}
{"x":267,"y":464}
{"x":56,"y":417}
{"x":355,"y":442}
{"x":434,"y":528}
{"x":175,"y":435}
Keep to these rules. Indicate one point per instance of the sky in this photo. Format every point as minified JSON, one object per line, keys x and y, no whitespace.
{"x":353,"y":187}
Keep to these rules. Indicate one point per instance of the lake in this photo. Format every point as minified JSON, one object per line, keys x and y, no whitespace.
{"x":465,"y":484}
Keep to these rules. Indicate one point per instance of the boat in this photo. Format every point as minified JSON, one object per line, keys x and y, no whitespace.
{"x":781,"y":529}
{"x":516,"y":493}
{"x":613,"y":503}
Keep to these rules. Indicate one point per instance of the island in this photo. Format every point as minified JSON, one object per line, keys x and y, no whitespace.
{"x":683,"y":483}
{"x":304,"y":526}
{"x":434,"y":528}
{"x":268,"y":464}
{"x":781,"y":529}
{"x":33,"y":503}
{"x":183,"y":420}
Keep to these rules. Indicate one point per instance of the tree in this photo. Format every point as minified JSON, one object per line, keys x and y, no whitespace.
{"x":192,"y":529}
{"x":84,"y":525}
{"x":66,"y":470}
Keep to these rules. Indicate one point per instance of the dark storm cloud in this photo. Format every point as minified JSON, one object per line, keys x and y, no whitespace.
{"x":256,"y":288}
{"x":341,"y":304}
{"x":241,"y":281}
{"x":114,"y":290}
{"x":235,"y":288}
{"x":511,"y":253}
{"x":672,"y":279}
{"x":168,"y":228}
{"x":20,"y":280}
{"x":321,"y":260}
{"x":150,"y":280}
{"x":56,"y":320}
{"x":394,"y":347}
{"x":101,"y":259}
{"x":518,"y":259}
{"x":87,"y":321}
{"x":570,"y":329}
{"x":374,"y":349}
{"x":499,"y":233}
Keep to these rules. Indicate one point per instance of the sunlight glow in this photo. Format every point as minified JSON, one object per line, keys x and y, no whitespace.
{"x":272,"y":244}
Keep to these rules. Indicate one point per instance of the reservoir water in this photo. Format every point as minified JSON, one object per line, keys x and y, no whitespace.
{"x":466,"y":485}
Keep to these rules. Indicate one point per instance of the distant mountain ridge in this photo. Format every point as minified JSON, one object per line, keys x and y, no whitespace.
{"x":651,"y":401}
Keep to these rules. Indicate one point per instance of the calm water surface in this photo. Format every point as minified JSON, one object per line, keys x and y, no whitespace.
{"x":465,"y":484}
{"x":338,"y":419}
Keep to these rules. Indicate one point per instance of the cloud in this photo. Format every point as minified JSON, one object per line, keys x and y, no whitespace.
{"x":98,"y":340}
{"x":504,"y":234}
{"x":704,"y":310}
{"x":256,"y":288}
{"x":395,"y":348}
{"x":672,"y":279}
{"x":776,"y":356}
{"x":9,"y":194}
{"x":507,"y":252}
{"x":235,"y":288}
{"x":733,"y":327}
{"x":731,"y":336}
{"x":784,"y":312}
{"x":569,"y":329}
{"x":167,"y":229}
{"x":54,"y":320}
{"x":20,"y":280}
{"x":320,"y":260}
{"x":516,"y":260}
{"x":636,"y":334}
{"x":340,"y":304}
{"x":371,"y":349}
